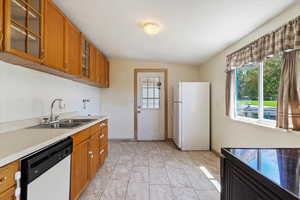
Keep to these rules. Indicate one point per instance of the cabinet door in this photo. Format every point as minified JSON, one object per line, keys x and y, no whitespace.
{"x":72,"y":49}
{"x":106,"y":72}
{"x":94,"y":149}
{"x":24,"y":28}
{"x":105,"y":133}
{"x":54,"y":37}
{"x":85,"y":58}
{"x":93,"y":63}
{"x":102,"y":70}
{"x":8,"y":195}
{"x":1,"y":24}
{"x":80,"y":168}
{"x":98,"y":64}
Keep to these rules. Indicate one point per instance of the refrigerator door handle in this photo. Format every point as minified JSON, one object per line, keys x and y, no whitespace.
{"x":177,"y":102}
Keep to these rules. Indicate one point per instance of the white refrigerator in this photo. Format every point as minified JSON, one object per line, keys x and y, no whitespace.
{"x":191,"y":115}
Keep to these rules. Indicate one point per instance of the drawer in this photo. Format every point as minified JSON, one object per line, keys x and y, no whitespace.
{"x":8,"y":195}
{"x":95,"y":128}
{"x":81,"y":136}
{"x":7,"y":176}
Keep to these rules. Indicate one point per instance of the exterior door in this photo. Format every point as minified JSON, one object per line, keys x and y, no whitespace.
{"x":150,"y":106}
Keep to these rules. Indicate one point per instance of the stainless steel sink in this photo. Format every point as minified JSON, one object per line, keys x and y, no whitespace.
{"x":77,"y":120}
{"x":64,"y":124}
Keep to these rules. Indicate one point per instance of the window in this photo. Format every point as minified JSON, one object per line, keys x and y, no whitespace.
{"x":150,"y":93}
{"x":247,"y":91}
{"x":257,"y":90}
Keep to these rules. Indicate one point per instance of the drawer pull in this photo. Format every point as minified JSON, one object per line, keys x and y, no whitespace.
{"x":102,"y":151}
{"x":102,"y":136}
{"x":3,"y":180}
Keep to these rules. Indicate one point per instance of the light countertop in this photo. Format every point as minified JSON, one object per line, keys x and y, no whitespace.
{"x":20,"y":143}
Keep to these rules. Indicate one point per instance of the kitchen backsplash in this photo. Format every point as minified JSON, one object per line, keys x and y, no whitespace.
{"x":27,"y":94}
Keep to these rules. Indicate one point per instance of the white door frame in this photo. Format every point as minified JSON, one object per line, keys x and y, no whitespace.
{"x":165,"y":71}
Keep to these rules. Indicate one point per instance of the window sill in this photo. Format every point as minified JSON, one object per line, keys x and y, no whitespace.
{"x":263,"y":124}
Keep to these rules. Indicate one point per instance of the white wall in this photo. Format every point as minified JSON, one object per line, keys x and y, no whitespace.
{"x":117,"y":101}
{"x":226,"y":132}
{"x":25,"y":93}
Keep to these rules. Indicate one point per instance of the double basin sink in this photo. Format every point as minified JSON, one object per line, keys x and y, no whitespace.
{"x":64,"y":124}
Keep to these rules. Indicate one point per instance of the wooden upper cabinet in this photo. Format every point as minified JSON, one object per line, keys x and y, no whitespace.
{"x":1,"y":24}
{"x":85,"y":59}
{"x":92,"y":63}
{"x":98,"y":63}
{"x":106,"y":72}
{"x":54,"y":37}
{"x":24,"y":28}
{"x":72,"y":49}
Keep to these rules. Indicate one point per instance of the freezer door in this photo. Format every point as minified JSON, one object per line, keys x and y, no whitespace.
{"x":177,"y":103}
{"x":177,"y":124}
{"x":195,"y":116}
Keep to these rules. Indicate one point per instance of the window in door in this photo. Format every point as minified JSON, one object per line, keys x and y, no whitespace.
{"x":150,"y":94}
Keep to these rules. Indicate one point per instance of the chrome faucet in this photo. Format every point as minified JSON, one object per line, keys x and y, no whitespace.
{"x":54,"y":118}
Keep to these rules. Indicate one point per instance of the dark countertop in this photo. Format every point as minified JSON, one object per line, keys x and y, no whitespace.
{"x":279,"y":165}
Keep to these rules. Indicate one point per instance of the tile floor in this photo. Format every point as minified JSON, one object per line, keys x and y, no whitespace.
{"x":155,"y":171}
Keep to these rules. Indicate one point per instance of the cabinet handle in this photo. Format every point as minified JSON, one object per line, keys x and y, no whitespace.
{"x":101,"y":136}
{"x":101,"y":152}
{"x":91,"y":154}
{"x":3,"y":180}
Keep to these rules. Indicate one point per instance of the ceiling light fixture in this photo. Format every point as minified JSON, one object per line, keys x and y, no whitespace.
{"x":151,"y":28}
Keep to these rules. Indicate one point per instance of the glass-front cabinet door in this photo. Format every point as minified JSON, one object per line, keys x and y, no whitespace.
{"x":85,"y":63}
{"x":24,"y":23}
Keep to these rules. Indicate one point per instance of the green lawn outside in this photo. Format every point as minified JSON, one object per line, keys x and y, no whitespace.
{"x":255,"y":103}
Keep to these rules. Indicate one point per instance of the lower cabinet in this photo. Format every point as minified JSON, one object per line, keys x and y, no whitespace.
{"x":9,"y":194}
{"x":79,"y":174}
{"x":8,"y":184}
{"x":89,"y":153}
{"x":94,"y":155}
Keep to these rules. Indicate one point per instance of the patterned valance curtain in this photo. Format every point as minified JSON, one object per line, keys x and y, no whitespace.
{"x":284,"y":39}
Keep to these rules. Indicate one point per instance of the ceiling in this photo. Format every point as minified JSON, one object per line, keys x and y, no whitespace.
{"x":192,"y":30}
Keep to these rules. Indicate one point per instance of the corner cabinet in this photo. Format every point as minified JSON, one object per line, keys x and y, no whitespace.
{"x":23,"y":22}
{"x":54,"y":37}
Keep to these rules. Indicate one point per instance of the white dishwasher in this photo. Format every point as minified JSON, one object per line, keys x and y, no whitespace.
{"x":46,"y":174}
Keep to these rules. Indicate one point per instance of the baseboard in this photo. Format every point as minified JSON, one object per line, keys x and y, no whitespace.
{"x":122,"y":140}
